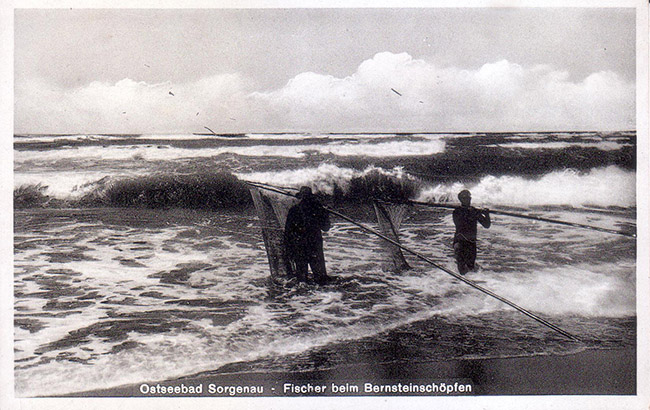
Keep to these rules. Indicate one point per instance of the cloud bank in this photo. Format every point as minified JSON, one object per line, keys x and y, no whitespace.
{"x":390,"y":92}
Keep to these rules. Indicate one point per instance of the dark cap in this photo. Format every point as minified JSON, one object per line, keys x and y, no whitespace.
{"x":304,"y":192}
{"x":464,"y":194}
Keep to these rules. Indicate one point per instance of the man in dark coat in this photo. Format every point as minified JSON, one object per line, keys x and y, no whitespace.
{"x":465,"y":219}
{"x":303,"y":238}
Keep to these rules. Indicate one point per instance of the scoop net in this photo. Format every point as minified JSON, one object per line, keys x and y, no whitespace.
{"x":390,"y":217}
{"x":272,"y":212}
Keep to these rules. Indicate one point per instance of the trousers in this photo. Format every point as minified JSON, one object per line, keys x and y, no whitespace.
{"x":315,"y":260}
{"x":465,"y":254}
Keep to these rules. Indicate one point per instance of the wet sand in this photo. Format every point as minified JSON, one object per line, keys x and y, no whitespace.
{"x":591,"y":372}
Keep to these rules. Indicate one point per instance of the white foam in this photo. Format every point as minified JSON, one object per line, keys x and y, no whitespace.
{"x":609,"y":186}
{"x":605,"y":290}
{"x":56,"y":138}
{"x":323,"y":178}
{"x":168,"y":153}
{"x":254,"y":336}
{"x":66,"y":184}
{"x":386,"y":149}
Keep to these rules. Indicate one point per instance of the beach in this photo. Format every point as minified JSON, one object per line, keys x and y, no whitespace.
{"x":590,"y":372}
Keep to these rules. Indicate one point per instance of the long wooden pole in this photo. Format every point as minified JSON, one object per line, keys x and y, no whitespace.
{"x":424,"y":258}
{"x":534,"y":218}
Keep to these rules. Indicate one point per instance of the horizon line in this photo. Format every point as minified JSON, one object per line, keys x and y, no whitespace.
{"x":318,"y":132}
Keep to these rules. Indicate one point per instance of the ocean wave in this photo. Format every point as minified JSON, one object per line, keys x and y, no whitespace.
{"x":603,"y":145}
{"x":22,"y":139}
{"x":30,"y":139}
{"x":603,"y":187}
{"x":326,"y":178}
{"x":163,"y":152}
{"x":31,"y":196}
{"x":193,"y":191}
{"x":210,"y":190}
{"x":68,"y":185}
{"x":196,"y":191}
{"x":600,"y":187}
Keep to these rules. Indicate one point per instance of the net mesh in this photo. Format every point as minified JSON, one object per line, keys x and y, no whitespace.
{"x":390,"y":217}
{"x":272,"y":212}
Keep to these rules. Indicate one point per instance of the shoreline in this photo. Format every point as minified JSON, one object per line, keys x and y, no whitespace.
{"x":590,"y":372}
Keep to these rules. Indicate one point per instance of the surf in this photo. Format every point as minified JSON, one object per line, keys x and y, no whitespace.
{"x":601,"y":187}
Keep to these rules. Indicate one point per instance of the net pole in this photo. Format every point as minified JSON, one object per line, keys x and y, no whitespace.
{"x":535,"y":218}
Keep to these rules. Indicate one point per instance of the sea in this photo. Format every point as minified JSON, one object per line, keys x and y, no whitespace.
{"x":114,"y":293}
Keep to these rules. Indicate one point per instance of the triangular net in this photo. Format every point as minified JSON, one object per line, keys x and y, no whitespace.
{"x":272,"y":212}
{"x":390,"y":217}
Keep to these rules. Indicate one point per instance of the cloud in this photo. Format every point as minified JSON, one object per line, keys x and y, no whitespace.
{"x":129,"y":106}
{"x":499,"y":96}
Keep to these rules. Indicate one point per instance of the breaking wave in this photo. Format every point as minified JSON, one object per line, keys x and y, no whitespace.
{"x":601,"y":187}
{"x":158,"y":151}
{"x":604,"y":187}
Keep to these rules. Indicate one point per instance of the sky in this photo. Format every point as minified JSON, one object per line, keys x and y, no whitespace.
{"x":323,"y":70}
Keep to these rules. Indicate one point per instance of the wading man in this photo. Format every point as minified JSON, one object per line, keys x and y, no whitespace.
{"x":465,"y":219}
{"x":303,"y":238}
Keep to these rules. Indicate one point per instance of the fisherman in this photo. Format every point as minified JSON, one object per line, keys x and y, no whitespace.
{"x":465,"y":218}
{"x":303,"y":238}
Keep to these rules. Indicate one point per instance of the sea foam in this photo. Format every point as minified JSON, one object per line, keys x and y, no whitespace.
{"x":608,"y":186}
{"x":602,"y":187}
{"x":163,"y":152}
